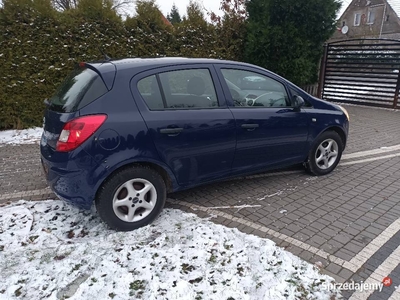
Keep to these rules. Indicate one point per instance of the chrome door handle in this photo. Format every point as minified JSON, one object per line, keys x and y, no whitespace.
{"x":250,"y":126}
{"x":171,"y":131}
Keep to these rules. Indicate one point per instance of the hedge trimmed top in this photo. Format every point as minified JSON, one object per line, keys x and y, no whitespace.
{"x":40,"y":45}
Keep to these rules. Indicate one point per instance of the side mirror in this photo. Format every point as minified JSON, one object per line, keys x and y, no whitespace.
{"x":298,"y":102}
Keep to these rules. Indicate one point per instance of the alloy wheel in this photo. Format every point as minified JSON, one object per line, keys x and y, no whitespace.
{"x":134,"y":200}
{"x":327,"y":154}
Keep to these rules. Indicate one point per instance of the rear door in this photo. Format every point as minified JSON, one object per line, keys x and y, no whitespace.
{"x":270,"y":132}
{"x":189,"y":122}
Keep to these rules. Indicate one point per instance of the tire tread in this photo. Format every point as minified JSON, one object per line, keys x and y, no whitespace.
{"x":104,"y":208}
{"x":311,"y":167}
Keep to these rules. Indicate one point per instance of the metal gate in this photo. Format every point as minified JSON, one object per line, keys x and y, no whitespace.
{"x":363,"y":72}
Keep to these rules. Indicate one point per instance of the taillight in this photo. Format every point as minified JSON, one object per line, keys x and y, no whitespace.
{"x":77,"y":131}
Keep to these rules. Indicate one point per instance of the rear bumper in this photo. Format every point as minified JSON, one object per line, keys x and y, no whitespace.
{"x":72,"y":176}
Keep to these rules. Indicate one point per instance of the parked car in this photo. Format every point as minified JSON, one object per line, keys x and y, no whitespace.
{"x":124,"y":133}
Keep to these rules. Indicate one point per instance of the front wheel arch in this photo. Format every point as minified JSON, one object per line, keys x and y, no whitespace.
{"x":341,"y":133}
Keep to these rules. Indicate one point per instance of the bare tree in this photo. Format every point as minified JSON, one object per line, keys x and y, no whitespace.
{"x":64,"y":4}
{"x":122,"y":7}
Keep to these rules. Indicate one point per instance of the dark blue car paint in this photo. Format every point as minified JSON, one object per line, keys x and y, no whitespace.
{"x":107,"y":72}
{"x":280,"y":139}
{"x":212,"y":145}
{"x":207,"y":142}
{"x":72,"y":175}
{"x":54,"y":123}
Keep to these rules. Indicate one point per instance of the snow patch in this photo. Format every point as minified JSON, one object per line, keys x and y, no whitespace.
{"x":51,"y":250}
{"x":269,"y":196}
{"x":16,"y":137}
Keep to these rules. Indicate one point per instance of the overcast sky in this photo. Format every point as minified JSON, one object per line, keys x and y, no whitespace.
{"x":165,"y":5}
{"x":210,"y":5}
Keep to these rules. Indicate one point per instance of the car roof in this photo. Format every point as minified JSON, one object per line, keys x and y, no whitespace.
{"x":143,"y":64}
{"x":129,"y":63}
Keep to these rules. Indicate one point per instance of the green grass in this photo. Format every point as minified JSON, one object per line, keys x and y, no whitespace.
{"x":137,"y":285}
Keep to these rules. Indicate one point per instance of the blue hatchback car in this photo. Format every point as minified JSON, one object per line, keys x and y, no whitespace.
{"x":124,"y":133}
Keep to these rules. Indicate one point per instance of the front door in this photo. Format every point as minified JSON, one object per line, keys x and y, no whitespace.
{"x":189,"y":122}
{"x":270,"y":132}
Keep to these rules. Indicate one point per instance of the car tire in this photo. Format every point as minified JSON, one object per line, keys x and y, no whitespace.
{"x":325,"y":154}
{"x":131,"y":198}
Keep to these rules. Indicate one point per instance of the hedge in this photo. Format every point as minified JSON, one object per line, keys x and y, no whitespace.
{"x":39,"y":49}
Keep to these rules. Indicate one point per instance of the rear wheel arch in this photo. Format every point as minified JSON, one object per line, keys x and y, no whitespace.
{"x":159,"y":169}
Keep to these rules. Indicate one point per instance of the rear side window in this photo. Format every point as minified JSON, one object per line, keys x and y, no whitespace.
{"x":182,"y":89}
{"x":151,"y":93}
{"x":80,"y":88}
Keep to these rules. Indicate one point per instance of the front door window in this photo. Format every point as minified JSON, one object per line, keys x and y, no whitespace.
{"x":249,"y":89}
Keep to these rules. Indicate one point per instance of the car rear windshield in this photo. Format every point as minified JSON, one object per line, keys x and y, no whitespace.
{"x":80,"y":88}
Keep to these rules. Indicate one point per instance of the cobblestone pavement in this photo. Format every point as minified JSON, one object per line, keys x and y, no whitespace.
{"x":348,"y":220}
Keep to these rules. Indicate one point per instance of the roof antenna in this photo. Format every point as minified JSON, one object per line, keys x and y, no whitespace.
{"x":106,"y":57}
